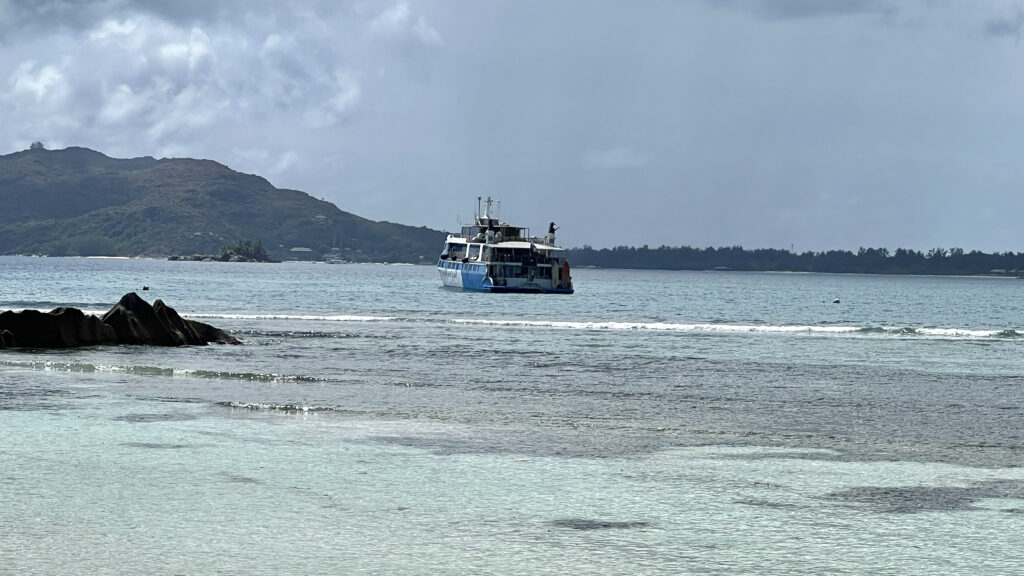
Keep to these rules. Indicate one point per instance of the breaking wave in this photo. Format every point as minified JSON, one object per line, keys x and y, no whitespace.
{"x":826,"y":330}
{"x":94,"y":308}
{"x":313,"y":317}
{"x":85,"y":367}
{"x":714,"y":327}
{"x":290,"y":408}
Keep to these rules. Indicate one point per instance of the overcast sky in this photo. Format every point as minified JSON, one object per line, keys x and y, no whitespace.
{"x":814,"y":124}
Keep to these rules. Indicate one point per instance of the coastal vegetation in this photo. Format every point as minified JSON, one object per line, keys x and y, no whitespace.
{"x":245,"y":249}
{"x":954,"y":261}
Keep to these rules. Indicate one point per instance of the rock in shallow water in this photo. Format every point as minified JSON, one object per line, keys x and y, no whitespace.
{"x":131,"y":321}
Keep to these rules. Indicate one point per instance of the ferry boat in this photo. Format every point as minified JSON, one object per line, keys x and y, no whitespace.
{"x":493,"y":256}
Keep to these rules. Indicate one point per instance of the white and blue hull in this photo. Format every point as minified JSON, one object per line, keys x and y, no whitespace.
{"x":473,"y":276}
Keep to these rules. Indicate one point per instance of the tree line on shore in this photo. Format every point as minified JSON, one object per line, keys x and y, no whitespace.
{"x":954,"y":261}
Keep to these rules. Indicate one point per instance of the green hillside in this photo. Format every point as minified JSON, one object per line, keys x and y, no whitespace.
{"x":79,"y":202}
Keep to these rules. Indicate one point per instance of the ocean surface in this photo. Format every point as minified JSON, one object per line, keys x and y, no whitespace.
{"x":652,"y":423}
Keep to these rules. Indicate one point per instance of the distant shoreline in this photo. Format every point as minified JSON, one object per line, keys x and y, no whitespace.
{"x":796,"y":272}
{"x":875,"y":261}
{"x":1008,"y":275}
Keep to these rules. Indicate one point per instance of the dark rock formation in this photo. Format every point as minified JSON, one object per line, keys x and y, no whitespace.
{"x":212,"y":334}
{"x":131,"y":321}
{"x":60,"y":328}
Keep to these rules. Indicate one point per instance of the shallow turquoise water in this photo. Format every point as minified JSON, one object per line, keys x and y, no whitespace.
{"x":654,"y":422}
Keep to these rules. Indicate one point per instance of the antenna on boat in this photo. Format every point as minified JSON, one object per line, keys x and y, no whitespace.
{"x":477,"y":215}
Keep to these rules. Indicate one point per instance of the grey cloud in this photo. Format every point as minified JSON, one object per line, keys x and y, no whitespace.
{"x":21,"y":18}
{"x":170,"y":79}
{"x":784,"y":9}
{"x":192,"y":11}
{"x":24,"y":18}
{"x":411,"y":41}
{"x":1007,"y":24}
{"x":398,"y":21}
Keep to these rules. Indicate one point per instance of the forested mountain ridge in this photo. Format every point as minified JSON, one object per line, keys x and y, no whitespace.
{"x":79,"y":202}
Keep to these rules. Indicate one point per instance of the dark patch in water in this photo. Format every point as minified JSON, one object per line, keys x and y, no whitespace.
{"x":765,"y":504}
{"x":911,"y":499}
{"x":784,"y":455}
{"x":440,"y":446}
{"x":155,"y":445}
{"x":165,"y":417}
{"x":239,"y":479}
{"x":171,"y":400}
{"x":536,"y":443}
{"x":588,"y":524}
{"x":31,"y":397}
